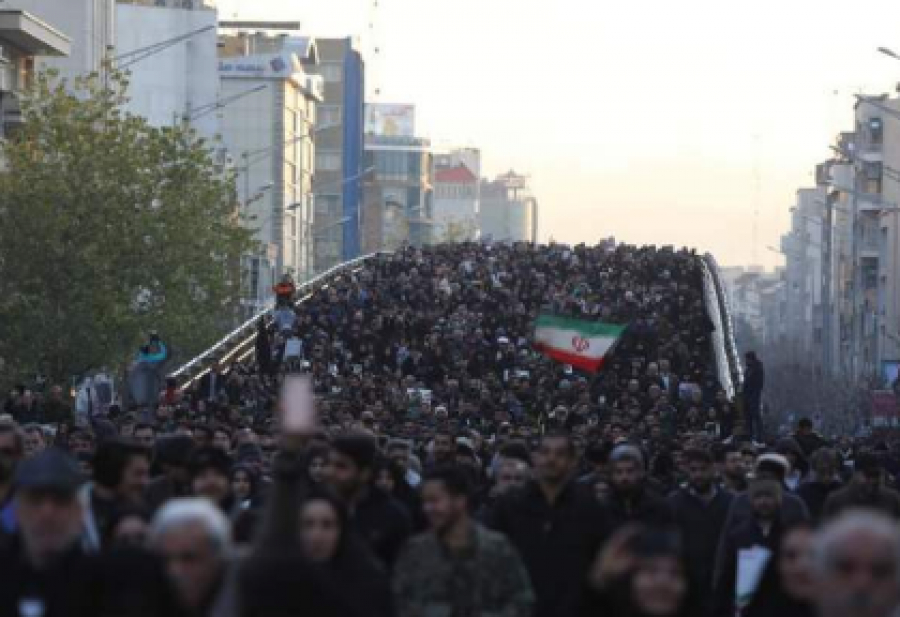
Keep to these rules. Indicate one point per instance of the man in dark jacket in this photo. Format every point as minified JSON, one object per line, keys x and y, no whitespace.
{"x":761,"y":531}
{"x":630,"y":500}
{"x":699,"y":510}
{"x":379,"y":519}
{"x":866,"y":490}
{"x":791,"y":509}
{"x":556,"y":526}
{"x":44,"y":568}
{"x":754,"y":381}
{"x":808,"y":440}
{"x":823,"y":483}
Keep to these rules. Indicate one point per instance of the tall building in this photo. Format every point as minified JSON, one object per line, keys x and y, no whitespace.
{"x":269,"y":131}
{"x":180,"y":82}
{"x":89,"y":24}
{"x":509,"y":210}
{"x":457,"y":190}
{"x":339,"y":172}
{"x":874,"y":197}
{"x":23,"y":36}
{"x":804,"y":276}
{"x":398,"y":193}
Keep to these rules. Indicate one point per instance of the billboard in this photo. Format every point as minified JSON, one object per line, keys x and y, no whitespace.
{"x":884,"y":409}
{"x":390,"y":120}
{"x":272,"y":65}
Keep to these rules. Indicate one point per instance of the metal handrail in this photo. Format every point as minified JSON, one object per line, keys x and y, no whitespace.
{"x":734,"y":359}
{"x":227,"y":342}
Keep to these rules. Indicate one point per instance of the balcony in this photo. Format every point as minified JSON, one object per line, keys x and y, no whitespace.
{"x":870,"y":202}
{"x":30,"y":35}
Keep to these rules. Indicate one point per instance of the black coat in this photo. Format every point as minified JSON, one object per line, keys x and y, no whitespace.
{"x":700,"y":524}
{"x":557,"y":542}
{"x":754,"y":381}
{"x":119,"y":583}
{"x":646,"y":508}
{"x":814,"y":495}
{"x":383,"y":524}
{"x":745,"y":536}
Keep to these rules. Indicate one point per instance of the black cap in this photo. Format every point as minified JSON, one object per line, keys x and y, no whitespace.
{"x":52,"y":470}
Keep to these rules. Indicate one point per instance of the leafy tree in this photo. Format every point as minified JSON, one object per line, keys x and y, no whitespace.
{"x":109,"y":228}
{"x":454,"y":232}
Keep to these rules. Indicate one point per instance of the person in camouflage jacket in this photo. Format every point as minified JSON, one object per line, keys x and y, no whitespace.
{"x":459,"y":568}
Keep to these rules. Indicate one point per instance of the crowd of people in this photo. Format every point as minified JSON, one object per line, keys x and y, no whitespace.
{"x":453,"y":470}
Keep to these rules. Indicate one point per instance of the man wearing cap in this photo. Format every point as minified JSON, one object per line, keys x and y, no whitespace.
{"x":44,"y":569}
{"x":791,"y":511}
{"x":866,"y":490}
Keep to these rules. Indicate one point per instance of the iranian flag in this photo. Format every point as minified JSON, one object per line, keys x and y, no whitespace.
{"x":583,"y":344}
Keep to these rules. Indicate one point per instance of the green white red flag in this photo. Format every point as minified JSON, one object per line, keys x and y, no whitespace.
{"x":583,"y":344}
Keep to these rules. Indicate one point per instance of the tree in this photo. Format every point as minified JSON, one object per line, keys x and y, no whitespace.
{"x":457,"y":231}
{"x":109,"y":228}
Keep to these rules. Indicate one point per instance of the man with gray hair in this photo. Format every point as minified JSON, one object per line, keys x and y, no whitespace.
{"x":193,"y":538}
{"x":857,"y":566}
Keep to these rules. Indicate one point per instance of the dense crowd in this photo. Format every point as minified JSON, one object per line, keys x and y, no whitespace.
{"x":454,"y":471}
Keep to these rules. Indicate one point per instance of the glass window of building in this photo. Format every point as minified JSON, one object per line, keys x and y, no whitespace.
{"x":332,"y":73}
{"x":328,"y":161}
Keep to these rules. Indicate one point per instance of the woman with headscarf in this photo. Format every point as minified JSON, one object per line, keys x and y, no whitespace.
{"x":786,"y":586}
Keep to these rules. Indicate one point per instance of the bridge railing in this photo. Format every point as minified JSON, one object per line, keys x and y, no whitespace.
{"x":728,"y":362}
{"x":240,"y":342}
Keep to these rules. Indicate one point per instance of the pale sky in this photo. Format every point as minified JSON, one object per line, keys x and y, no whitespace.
{"x":647,"y":120}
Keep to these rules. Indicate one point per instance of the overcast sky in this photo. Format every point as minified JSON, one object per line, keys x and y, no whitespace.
{"x":653,"y":121}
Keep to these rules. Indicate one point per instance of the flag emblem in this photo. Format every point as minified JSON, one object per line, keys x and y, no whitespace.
{"x":580,"y":344}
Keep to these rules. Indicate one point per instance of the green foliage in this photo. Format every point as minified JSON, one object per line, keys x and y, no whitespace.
{"x":109,"y":227}
{"x":454,"y":232}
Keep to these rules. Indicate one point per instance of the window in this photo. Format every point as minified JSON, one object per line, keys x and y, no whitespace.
{"x":875,"y":131}
{"x":328,"y":161}
{"x":290,"y":173}
{"x":329,"y":115}
{"x":332,"y":73}
{"x":329,"y":205}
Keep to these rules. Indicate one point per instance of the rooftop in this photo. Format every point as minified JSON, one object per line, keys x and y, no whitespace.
{"x":454,"y":175}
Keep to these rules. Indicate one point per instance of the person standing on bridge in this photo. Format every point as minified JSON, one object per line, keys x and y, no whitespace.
{"x":754,"y":381}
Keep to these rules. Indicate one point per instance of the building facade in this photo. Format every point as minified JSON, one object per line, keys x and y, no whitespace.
{"x":23,"y":36}
{"x":269,"y":132}
{"x":457,"y":192}
{"x":89,"y":25}
{"x":398,"y":189}
{"x":508,"y":210}
{"x":804,"y":270}
{"x":339,"y":172}
{"x":179,"y":84}
{"x":842,"y":256}
{"x":398,"y":193}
